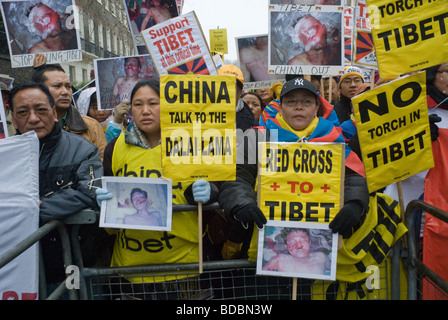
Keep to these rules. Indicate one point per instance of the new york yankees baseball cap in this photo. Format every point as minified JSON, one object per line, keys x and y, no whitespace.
{"x":298,"y":83}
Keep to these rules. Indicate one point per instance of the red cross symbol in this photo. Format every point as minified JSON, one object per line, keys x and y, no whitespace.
{"x":275,"y":186}
{"x":325,"y":188}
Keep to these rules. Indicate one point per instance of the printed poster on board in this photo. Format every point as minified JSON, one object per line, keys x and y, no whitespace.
{"x":408,"y":37}
{"x":393,"y":128}
{"x":178,"y":46}
{"x":197,"y":117}
{"x":49,"y":27}
{"x":307,"y":40}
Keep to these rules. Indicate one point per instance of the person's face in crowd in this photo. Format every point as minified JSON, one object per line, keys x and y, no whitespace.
{"x":298,"y":244}
{"x":298,"y":108}
{"x":139,"y":201}
{"x":145,"y":108}
{"x":312,"y":33}
{"x":131,"y":67}
{"x":98,"y":115}
{"x":266,"y":95}
{"x":441,"y":79}
{"x":254,"y":105}
{"x":316,"y":83}
{"x":46,"y":21}
{"x":33,"y":112}
{"x":334,"y":89}
{"x":350,"y":85}
{"x":60,"y":88}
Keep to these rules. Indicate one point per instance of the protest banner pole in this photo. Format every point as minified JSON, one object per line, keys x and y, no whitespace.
{"x":294,"y":288}
{"x":201,"y":268}
{"x":402,"y":208}
{"x":330,"y":88}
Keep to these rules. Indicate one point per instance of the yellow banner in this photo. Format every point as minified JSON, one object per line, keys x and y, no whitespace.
{"x":393,"y":128}
{"x":218,"y":40}
{"x":409,"y":35}
{"x":197,"y":116}
{"x":301,"y":181}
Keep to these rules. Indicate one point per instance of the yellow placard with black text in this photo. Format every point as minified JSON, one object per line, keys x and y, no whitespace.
{"x":218,"y":40}
{"x":393,"y":128}
{"x":300,"y":181}
{"x":409,"y":35}
{"x":197,"y":118}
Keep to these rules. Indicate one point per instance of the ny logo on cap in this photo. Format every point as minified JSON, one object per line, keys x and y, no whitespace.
{"x":298,"y":82}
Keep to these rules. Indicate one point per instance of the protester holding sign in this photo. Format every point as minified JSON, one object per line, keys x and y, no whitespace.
{"x":437,"y":101}
{"x":137,"y":153}
{"x":297,"y":120}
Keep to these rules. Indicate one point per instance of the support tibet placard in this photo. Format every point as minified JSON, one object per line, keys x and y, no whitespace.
{"x":197,"y":116}
{"x":178,"y":46}
{"x":301,"y":181}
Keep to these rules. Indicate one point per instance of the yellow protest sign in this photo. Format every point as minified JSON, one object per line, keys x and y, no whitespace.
{"x":409,"y":35}
{"x":197,"y":118}
{"x":393,"y":128}
{"x":218,"y":40}
{"x":300,"y":181}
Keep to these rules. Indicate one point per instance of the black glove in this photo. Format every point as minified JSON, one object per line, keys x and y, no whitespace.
{"x":433,"y":118}
{"x":249,"y":213}
{"x":350,"y":214}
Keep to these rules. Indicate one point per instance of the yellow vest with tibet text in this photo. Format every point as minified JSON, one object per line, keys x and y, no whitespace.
{"x":138,"y":247}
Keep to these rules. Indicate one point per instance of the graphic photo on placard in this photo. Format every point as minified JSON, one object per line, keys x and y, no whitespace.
{"x":137,"y":203}
{"x":116,"y":77}
{"x":253,"y":56}
{"x":40,"y":26}
{"x":294,"y":249}
{"x":305,"y":38}
{"x":143,"y":14}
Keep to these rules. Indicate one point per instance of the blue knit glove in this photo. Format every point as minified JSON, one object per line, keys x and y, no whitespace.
{"x":201,"y":191}
{"x":102,"y":194}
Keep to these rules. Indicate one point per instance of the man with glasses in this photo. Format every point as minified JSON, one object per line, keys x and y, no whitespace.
{"x":70,"y":167}
{"x":348,"y":87}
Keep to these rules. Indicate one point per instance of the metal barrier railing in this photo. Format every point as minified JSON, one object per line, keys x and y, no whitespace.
{"x":72,"y":254}
{"x":83,"y":217}
{"x":417,"y":268}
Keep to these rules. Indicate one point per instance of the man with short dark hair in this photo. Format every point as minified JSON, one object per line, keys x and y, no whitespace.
{"x":60,"y":87}
{"x":68,"y":164}
{"x":70,"y":167}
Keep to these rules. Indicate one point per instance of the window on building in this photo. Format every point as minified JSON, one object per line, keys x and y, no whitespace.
{"x":91,"y":37}
{"x":84,"y":75}
{"x":100,"y":35}
{"x":72,"y":73}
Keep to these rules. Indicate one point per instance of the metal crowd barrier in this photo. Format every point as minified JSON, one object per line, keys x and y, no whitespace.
{"x":418,"y":271}
{"x":83,"y":217}
{"x":224,"y":279}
